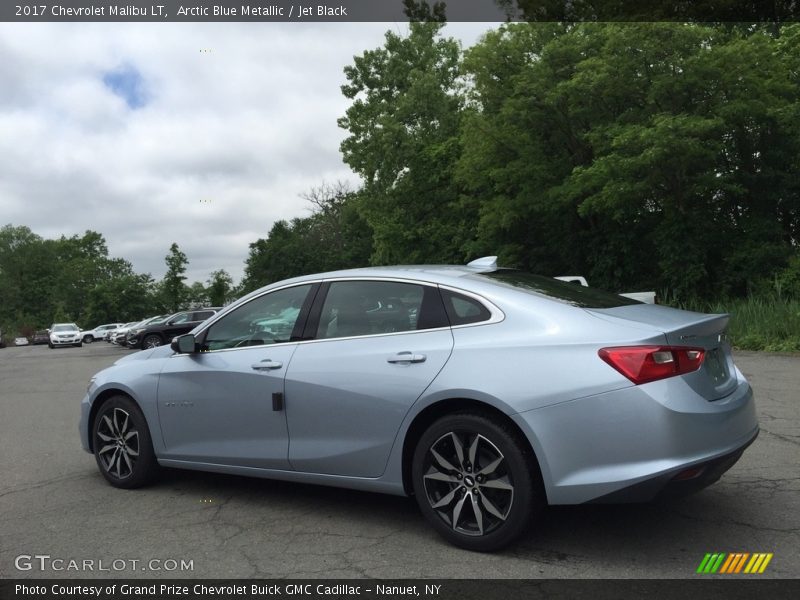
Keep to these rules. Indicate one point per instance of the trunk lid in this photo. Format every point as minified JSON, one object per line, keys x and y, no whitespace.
{"x":716,"y":378}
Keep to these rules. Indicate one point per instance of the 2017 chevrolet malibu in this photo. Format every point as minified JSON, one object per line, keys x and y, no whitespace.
{"x":484,"y":392}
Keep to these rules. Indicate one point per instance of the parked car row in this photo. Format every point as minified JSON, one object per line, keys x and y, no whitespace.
{"x":148,"y":333}
{"x":159,"y":330}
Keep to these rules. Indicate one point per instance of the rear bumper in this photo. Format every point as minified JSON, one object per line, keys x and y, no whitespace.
{"x":629,"y":444}
{"x":682,"y":482}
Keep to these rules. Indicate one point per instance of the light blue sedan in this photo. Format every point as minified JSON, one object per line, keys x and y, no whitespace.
{"x":484,"y":392}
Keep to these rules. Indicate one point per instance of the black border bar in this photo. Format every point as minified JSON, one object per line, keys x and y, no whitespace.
{"x":749,"y":11}
{"x":741,"y":587}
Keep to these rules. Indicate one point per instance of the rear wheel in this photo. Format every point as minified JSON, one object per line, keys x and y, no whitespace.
{"x":476,"y":482}
{"x":87,"y":339}
{"x":152,"y":341}
{"x":122,"y":445}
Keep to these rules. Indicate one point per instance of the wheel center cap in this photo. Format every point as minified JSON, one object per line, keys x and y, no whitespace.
{"x":469,"y":481}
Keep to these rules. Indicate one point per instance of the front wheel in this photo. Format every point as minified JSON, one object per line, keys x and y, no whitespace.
{"x":87,"y":339}
{"x":152,"y":341}
{"x":122,"y":445}
{"x":476,"y":481}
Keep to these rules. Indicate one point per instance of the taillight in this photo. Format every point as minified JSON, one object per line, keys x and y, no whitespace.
{"x":642,"y":364}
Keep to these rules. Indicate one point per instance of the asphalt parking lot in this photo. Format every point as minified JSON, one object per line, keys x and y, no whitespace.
{"x":54,"y":502}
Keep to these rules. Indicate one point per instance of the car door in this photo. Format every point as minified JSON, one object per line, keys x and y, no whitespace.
{"x":377,"y":346}
{"x":177,"y":325}
{"x":224,"y":405}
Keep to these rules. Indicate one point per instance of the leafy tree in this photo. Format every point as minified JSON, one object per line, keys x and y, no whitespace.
{"x":642,"y":155}
{"x":220,"y":284}
{"x":334,"y":236}
{"x":125,"y":297}
{"x":403,"y":128}
{"x":173,"y":289}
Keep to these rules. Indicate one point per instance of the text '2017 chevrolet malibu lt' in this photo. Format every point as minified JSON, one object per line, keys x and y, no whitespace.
{"x":484,"y":392}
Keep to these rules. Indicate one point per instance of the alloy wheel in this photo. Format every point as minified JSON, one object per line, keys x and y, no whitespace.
{"x":152,"y":341}
{"x":120,"y":449}
{"x":468,"y":483}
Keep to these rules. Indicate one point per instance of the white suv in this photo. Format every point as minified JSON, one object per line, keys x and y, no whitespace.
{"x":65,"y":334}
{"x":98,"y":333}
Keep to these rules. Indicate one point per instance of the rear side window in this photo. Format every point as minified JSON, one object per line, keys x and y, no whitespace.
{"x":203,"y":315}
{"x":463,"y":310}
{"x":570,"y":293}
{"x":355,"y":308}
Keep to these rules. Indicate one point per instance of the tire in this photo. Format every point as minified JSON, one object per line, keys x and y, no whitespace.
{"x":122,"y":445}
{"x":79,"y":344}
{"x":152,"y":341}
{"x":51,"y":346}
{"x":87,"y":339}
{"x":452,"y":492}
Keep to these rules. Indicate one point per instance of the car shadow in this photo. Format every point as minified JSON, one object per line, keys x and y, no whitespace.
{"x":559,"y":533}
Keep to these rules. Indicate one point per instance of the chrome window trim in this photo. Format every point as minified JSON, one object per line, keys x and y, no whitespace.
{"x":497,"y":315}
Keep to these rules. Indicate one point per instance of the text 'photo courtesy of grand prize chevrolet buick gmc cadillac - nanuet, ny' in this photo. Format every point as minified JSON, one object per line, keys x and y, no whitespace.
{"x":486,"y":393}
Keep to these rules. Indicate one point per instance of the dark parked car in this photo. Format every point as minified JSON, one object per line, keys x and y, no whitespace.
{"x":158,"y":334}
{"x":41,"y":337}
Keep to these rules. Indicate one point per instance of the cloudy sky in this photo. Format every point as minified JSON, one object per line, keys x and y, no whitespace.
{"x":133,"y":131}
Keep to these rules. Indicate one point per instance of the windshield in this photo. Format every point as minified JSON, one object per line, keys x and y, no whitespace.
{"x":68,"y":327}
{"x":570,"y":293}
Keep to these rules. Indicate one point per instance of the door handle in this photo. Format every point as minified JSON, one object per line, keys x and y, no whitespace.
{"x":266,"y":365}
{"x":406,"y":357}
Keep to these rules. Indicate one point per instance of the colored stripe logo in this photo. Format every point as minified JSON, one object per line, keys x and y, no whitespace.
{"x":735,"y":562}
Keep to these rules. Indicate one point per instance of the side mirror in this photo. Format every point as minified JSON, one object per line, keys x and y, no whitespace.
{"x":184,"y":344}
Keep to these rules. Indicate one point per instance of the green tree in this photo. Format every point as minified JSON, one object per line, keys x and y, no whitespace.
{"x":642,"y":155}
{"x":220,"y":285}
{"x":334,"y":236}
{"x":403,"y":126}
{"x":125,"y":297}
{"x":173,"y":289}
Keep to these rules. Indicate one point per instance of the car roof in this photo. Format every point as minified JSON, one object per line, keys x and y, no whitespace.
{"x":432,"y":273}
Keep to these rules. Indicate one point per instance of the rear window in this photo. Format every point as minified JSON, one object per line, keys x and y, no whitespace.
{"x":570,"y":293}
{"x":462,"y":310}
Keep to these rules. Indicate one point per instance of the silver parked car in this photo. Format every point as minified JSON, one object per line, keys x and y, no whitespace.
{"x":484,"y":392}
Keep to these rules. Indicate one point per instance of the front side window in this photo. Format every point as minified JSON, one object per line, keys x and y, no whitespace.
{"x":354,"y":308}
{"x":181,"y":318}
{"x":203,"y":315}
{"x":268,"y":319}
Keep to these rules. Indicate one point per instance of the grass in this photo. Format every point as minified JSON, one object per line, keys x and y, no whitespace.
{"x":767,"y":323}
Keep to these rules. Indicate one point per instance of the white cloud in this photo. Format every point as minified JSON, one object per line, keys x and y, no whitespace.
{"x":227,"y":139}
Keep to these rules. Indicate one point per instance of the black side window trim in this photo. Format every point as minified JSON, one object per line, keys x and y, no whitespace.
{"x":300,"y":326}
{"x":315,"y":313}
